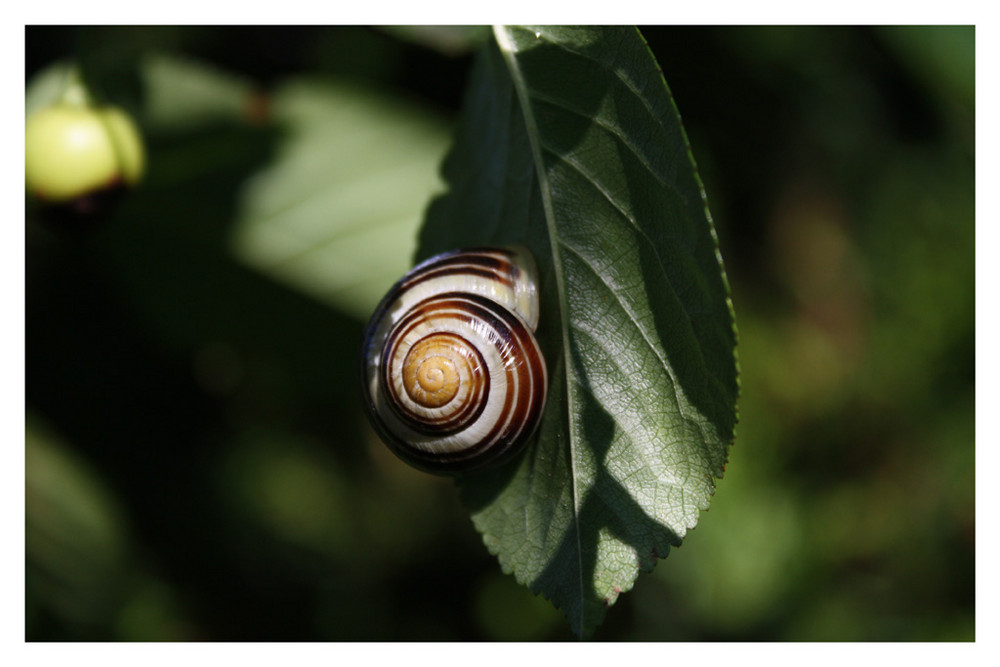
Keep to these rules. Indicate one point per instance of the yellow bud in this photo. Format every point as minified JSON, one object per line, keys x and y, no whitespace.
{"x":73,"y":150}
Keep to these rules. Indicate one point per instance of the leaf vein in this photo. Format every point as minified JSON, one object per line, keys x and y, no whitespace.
{"x":508,"y":49}
{"x":610,"y":67}
{"x":665,"y":475}
{"x":619,"y":134}
{"x":632,"y":317}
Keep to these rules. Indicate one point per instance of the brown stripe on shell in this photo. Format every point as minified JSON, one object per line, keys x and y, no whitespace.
{"x":526,"y":373}
{"x":470,"y":410}
{"x":527,"y":394}
{"x":514,"y":418}
{"x":491,"y":268}
{"x":505,"y":326}
{"x":469,"y":308}
{"x":495,"y":258}
{"x":446,"y":271}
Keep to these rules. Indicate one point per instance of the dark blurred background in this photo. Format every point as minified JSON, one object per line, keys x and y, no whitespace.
{"x":198,"y":466}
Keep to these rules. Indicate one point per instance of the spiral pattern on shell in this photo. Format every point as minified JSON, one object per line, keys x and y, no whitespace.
{"x":453,"y":377}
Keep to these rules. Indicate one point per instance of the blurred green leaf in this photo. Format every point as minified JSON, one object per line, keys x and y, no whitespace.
{"x":290,"y":491}
{"x":152,"y":614}
{"x":336,"y":213}
{"x":47,"y":86}
{"x":509,"y":612}
{"x":183,"y":93}
{"x":450,"y":40}
{"x":571,"y":144}
{"x":943,"y":58}
{"x":75,"y":545}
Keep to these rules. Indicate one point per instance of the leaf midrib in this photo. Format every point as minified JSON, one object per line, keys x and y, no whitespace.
{"x":507,"y":49}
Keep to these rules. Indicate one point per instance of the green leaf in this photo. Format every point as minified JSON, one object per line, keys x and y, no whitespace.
{"x":450,"y":40}
{"x":46,"y":86}
{"x":184,"y":94}
{"x":76,"y":545}
{"x":336,"y":215}
{"x":571,"y":144}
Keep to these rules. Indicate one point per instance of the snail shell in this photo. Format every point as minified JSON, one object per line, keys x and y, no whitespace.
{"x":453,"y":377}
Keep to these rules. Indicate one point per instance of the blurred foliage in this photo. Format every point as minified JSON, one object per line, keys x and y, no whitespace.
{"x":198,"y":466}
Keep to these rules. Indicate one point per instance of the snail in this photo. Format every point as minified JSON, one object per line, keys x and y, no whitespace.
{"x":453,"y":378}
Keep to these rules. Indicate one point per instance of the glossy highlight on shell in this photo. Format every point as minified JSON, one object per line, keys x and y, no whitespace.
{"x":453,"y":377}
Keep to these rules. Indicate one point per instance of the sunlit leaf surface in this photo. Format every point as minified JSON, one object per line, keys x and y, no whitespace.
{"x":571,"y":144}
